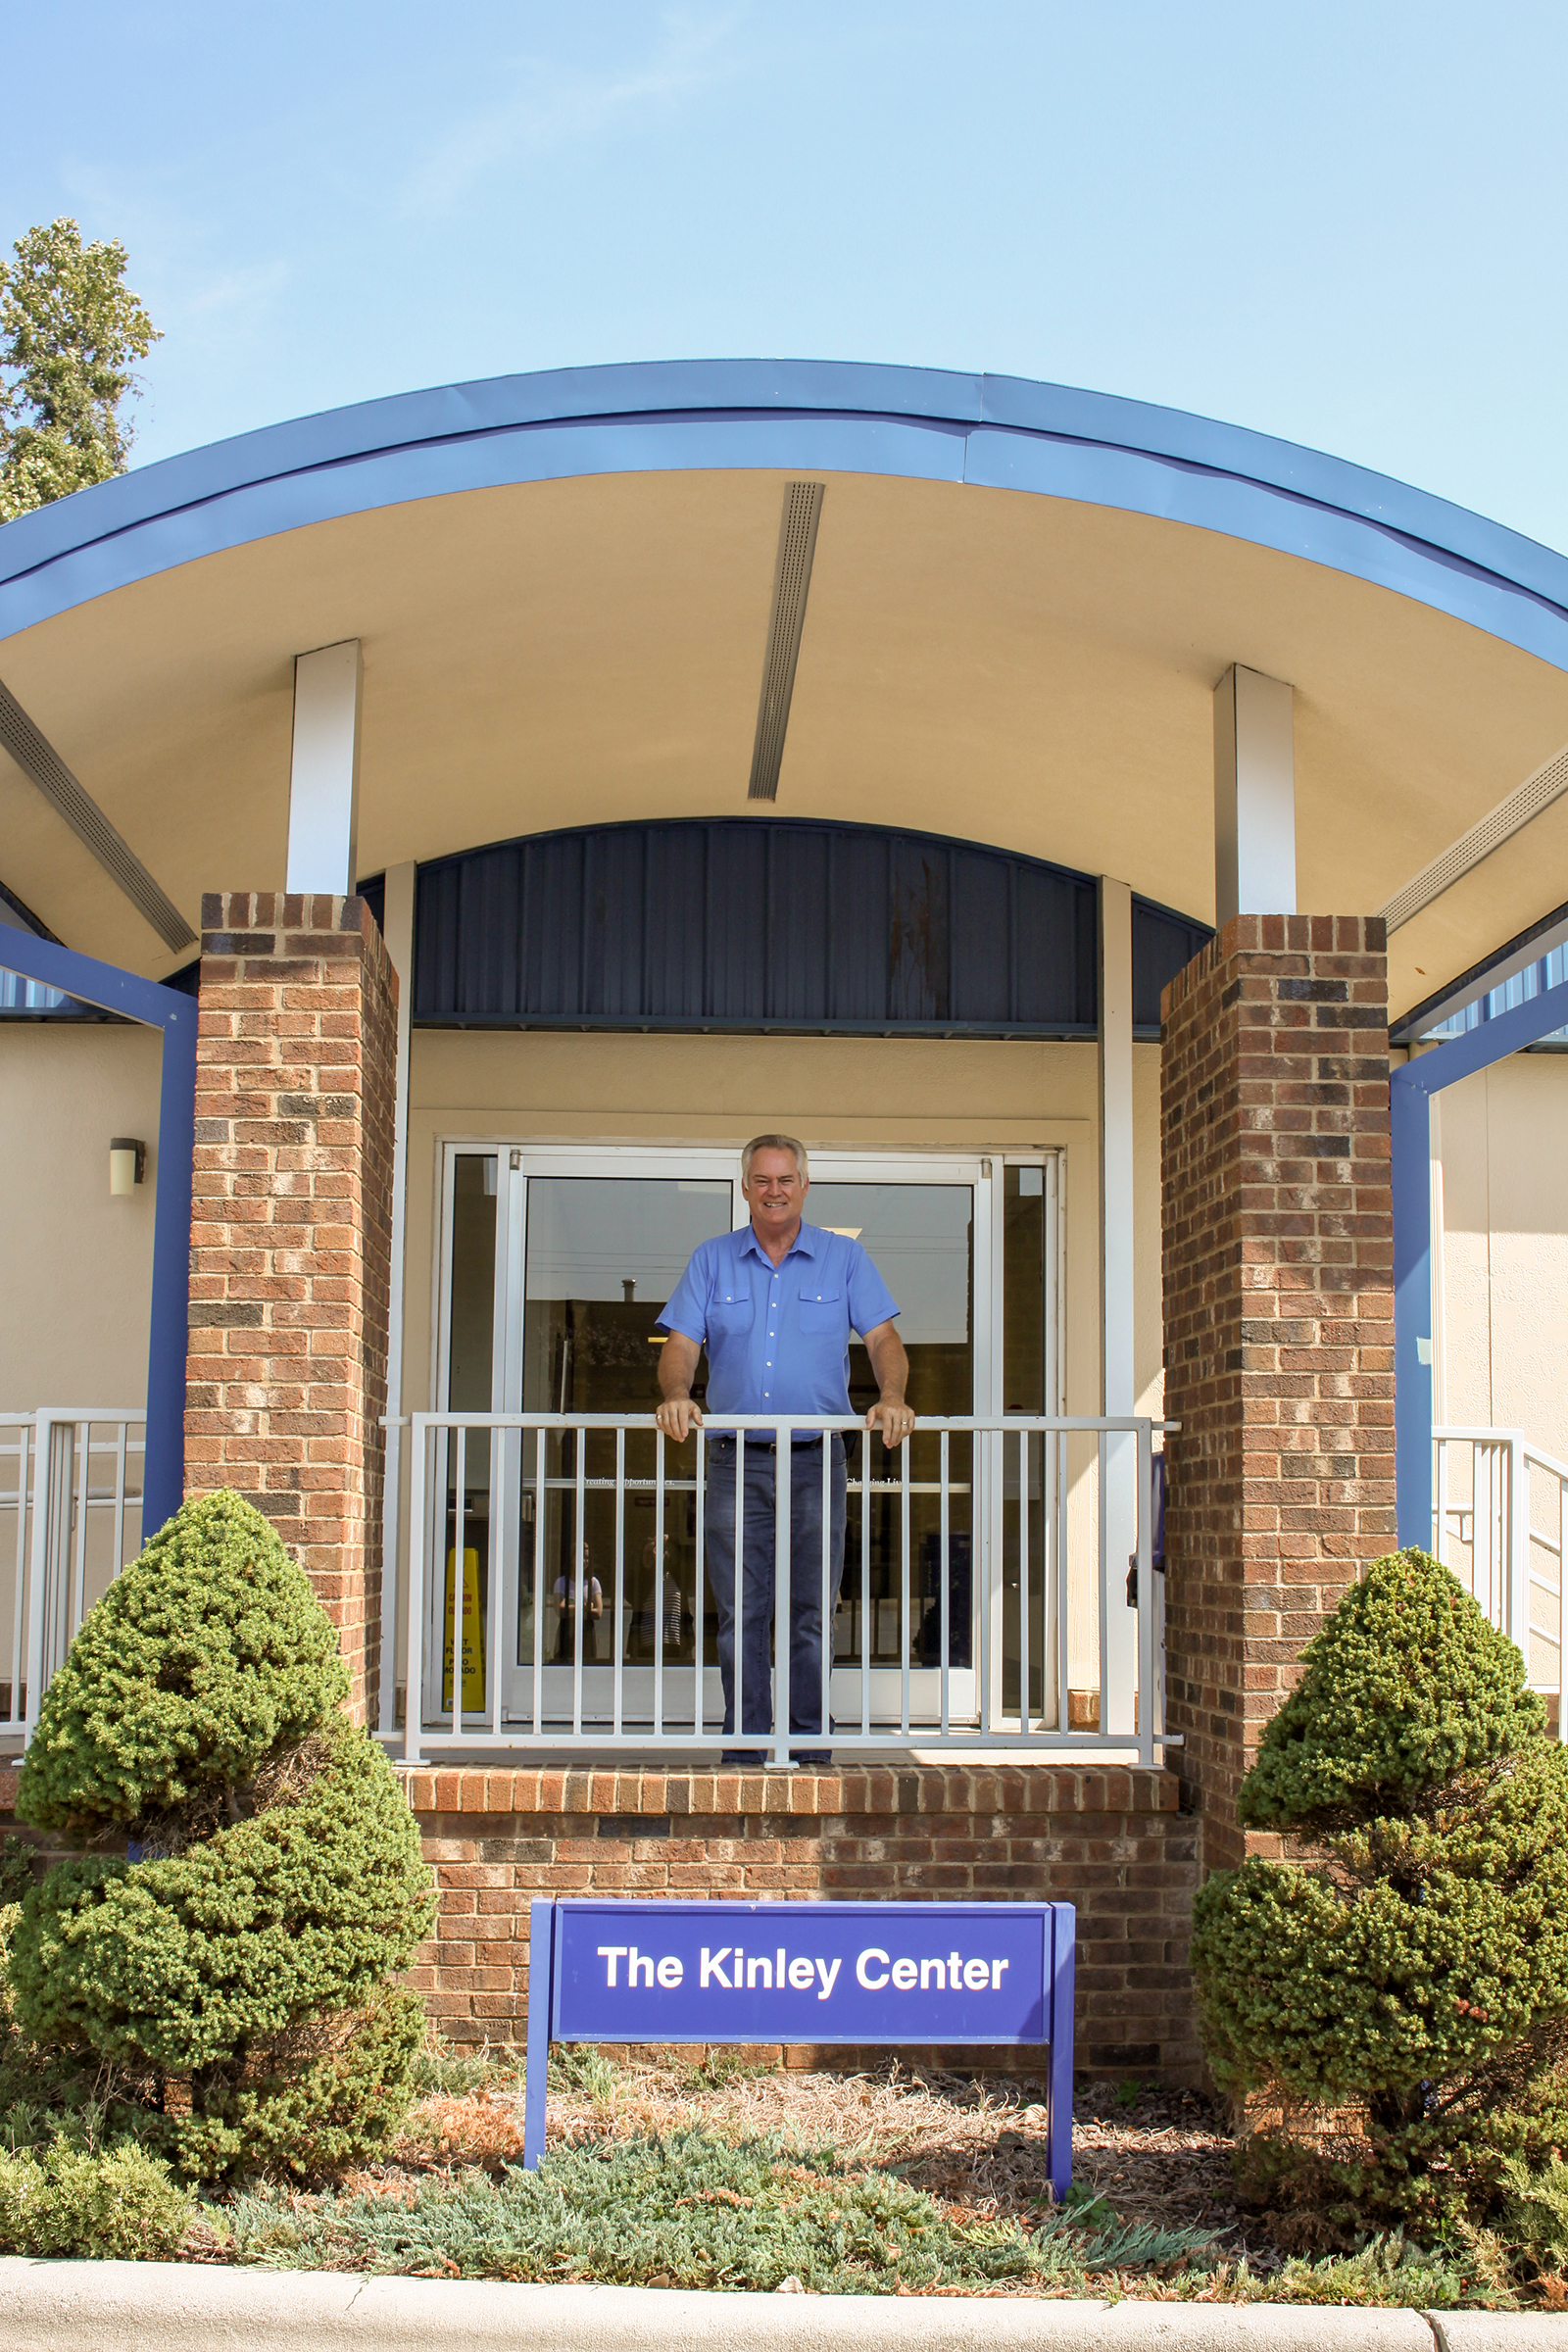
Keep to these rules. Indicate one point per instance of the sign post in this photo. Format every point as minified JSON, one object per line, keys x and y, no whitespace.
{"x":803,"y":1973}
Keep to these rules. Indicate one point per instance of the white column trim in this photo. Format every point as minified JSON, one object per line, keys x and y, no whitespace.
{"x":397,"y":931}
{"x":1117,"y":1380}
{"x":1255,"y":795}
{"x":1117,"y":1331}
{"x":324,"y":794}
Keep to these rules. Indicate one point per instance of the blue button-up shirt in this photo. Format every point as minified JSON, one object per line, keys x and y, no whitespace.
{"x":778,"y":1337}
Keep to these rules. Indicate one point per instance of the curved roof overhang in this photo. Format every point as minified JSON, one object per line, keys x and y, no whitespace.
{"x":1023,"y":596}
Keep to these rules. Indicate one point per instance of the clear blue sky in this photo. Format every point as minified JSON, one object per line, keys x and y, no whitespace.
{"x":1343,"y":223}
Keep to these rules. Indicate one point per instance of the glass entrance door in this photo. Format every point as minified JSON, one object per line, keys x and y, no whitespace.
{"x":919,"y":1225}
{"x":601,"y":1253}
{"x":557,"y":1265}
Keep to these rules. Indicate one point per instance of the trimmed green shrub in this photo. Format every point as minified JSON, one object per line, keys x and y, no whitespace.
{"x":1535,"y":2210}
{"x":206,"y":1655}
{"x":34,"y":2082}
{"x":111,"y":2205}
{"x":226,"y":1981}
{"x":16,"y":1869}
{"x":1405,"y":1980}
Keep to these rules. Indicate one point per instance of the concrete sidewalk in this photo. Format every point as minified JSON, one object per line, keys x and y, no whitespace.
{"x":193,"y":2307}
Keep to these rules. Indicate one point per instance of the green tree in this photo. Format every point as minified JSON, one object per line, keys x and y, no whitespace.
{"x":70,"y":329}
{"x":218,"y":1964}
{"x":1401,"y":1975}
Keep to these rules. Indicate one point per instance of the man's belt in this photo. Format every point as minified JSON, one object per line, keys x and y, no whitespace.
{"x":768,"y":1444}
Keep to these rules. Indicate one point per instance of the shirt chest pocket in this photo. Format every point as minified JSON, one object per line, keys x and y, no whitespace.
{"x":822,"y":1310}
{"x":731,"y":1313}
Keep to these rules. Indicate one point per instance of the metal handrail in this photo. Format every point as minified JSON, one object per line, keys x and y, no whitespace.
{"x":55,"y":1503}
{"x":1131,"y":1711}
{"x":1503,"y":1539}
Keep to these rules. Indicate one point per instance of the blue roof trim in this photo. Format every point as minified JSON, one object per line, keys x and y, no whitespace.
{"x":828,"y":417}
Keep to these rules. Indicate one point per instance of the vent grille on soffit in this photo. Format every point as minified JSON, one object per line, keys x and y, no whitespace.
{"x":792,"y":581}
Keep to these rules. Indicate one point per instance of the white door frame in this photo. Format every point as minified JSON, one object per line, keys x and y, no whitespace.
{"x":705,"y":1164}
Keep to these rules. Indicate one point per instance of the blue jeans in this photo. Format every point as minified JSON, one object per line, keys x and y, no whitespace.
{"x":757,"y":1573}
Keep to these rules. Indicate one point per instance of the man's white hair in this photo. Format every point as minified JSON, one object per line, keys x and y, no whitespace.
{"x":774,"y":1142}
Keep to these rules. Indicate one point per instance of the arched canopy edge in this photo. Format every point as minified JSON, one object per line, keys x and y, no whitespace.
{"x":921,"y":425}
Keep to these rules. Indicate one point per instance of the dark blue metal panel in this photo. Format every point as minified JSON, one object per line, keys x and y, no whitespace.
{"x":735,"y":912}
{"x":373,"y":892}
{"x":919,"y":930}
{"x":984,"y":917}
{"x":1165,"y":943}
{"x":756,"y":923}
{"x":862,"y":876}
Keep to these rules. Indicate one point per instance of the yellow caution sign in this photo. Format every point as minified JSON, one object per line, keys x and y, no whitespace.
{"x":472,"y":1636}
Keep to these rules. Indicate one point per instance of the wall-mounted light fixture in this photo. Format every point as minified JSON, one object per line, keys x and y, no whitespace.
{"x":127,"y":1164}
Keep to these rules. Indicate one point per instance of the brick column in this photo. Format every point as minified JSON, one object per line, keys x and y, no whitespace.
{"x":291,"y":1223}
{"x":1278,"y":1254}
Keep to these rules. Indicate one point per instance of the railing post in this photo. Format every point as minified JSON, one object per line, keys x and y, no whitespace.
{"x":48,"y":1583}
{"x":1519,"y":1544}
{"x":414,"y":1662}
{"x":1440,"y":1512}
{"x":783,"y":1481}
{"x":1146,"y":1594}
{"x":18,"y":1664}
{"x":28,"y":1711}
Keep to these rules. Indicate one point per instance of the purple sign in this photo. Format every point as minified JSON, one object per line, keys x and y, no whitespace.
{"x":857,"y":1973}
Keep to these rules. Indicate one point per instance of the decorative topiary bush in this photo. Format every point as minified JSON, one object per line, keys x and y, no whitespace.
{"x":17,"y":1873}
{"x":225,"y":1975}
{"x":209,"y":1653}
{"x":1404,"y":1980}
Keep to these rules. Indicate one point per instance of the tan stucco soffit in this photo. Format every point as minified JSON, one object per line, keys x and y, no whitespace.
{"x":36,"y":758}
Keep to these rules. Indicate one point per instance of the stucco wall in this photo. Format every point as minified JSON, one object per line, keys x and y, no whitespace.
{"x":1502,"y":1344}
{"x":77,"y":1264}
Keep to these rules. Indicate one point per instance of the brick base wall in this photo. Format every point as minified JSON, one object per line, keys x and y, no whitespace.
{"x":1114,"y":1842}
{"x":1278,"y":1257}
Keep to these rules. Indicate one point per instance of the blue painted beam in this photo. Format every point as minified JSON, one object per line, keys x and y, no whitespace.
{"x":1410,"y":1094}
{"x":1410,"y":1153}
{"x":175,"y":1015}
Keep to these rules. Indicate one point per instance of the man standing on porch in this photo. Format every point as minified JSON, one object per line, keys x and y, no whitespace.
{"x":774,"y":1306}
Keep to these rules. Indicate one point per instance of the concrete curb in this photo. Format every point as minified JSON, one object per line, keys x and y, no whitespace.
{"x":194,"y":2307}
{"x":1499,"y":2330}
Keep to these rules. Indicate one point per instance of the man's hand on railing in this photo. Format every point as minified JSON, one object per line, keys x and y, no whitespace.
{"x":677,"y":1415}
{"x":891,"y":1365}
{"x":892,"y":1417}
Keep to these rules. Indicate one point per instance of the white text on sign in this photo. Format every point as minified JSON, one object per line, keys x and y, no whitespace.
{"x":730,"y":1969}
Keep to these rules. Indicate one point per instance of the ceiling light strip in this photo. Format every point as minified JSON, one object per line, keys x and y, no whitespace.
{"x":38,"y":759}
{"x":1509,"y":816}
{"x":792,"y":581}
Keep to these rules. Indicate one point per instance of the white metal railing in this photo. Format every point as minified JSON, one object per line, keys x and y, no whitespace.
{"x":1500,"y":1515}
{"x":71,"y":1484}
{"x":984,"y":1599}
